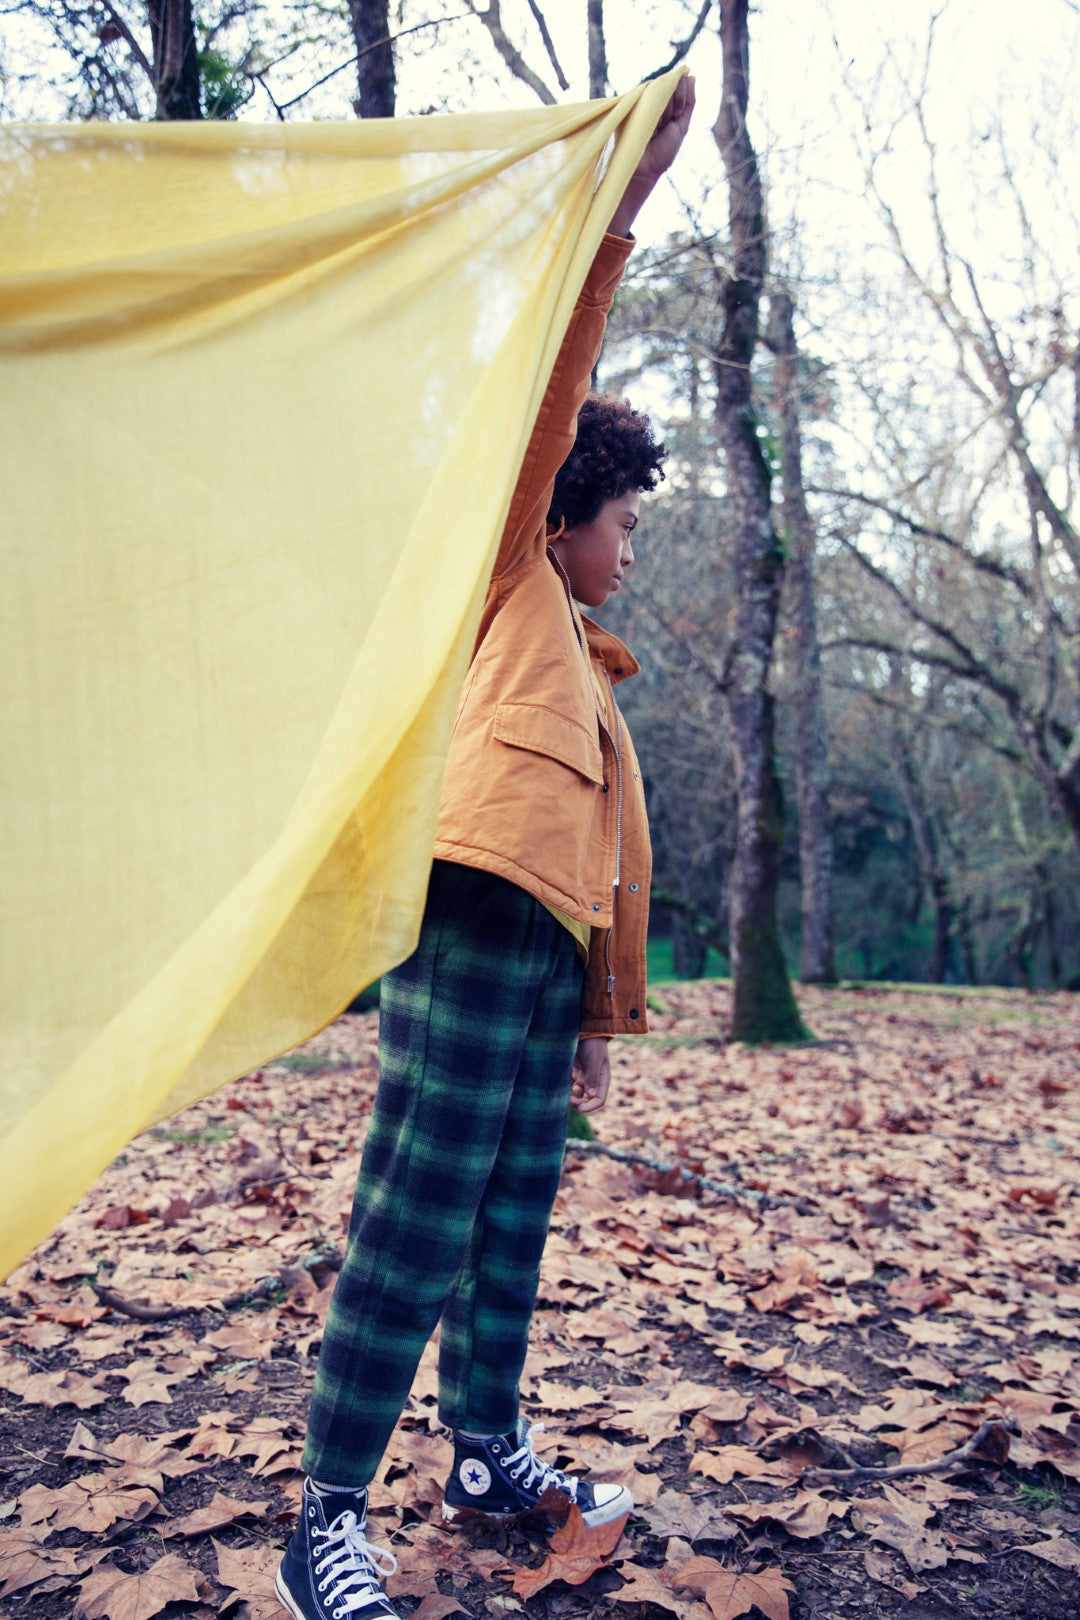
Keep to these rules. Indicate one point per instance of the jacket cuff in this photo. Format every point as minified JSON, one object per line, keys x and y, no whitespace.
{"x":606,"y":271}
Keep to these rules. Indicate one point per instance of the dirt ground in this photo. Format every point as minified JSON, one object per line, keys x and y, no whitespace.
{"x":860,"y":1251}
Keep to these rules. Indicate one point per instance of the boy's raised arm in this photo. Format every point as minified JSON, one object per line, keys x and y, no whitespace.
{"x":556,"y":421}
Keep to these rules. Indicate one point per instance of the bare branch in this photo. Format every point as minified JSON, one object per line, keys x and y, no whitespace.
{"x":970,"y":665}
{"x":376,"y":45}
{"x":132,"y":43}
{"x":994,"y":1429}
{"x":541,"y":23}
{"x":491,"y":18}
{"x":883,"y":700}
{"x":681,"y":47}
{"x":987,"y":565}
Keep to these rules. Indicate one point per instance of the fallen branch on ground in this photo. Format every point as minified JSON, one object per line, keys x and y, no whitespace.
{"x":665,"y":1167}
{"x":997,"y":1429}
{"x":287,"y":1278}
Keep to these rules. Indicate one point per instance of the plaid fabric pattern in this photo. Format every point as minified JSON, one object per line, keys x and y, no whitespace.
{"x":459,"y":1172}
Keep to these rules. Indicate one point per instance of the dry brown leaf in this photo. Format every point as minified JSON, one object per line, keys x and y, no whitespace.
{"x":148,"y":1385}
{"x":24,"y":1561}
{"x":676,"y":1514}
{"x":726,"y":1462}
{"x":886,"y":1522}
{"x":111,"y":1594}
{"x":97,"y":1501}
{"x":434,"y":1550}
{"x":219,"y":1511}
{"x":250,"y":1572}
{"x":805,"y":1515}
{"x":435,"y":1607}
{"x":577,"y":1551}
{"x":1059,"y":1550}
{"x":880,"y":1567}
{"x":729,"y":1594}
{"x":67,"y":1388}
{"x":645,"y":1586}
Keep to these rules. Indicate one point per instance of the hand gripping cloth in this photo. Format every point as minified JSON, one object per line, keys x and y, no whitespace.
{"x":264,"y":393}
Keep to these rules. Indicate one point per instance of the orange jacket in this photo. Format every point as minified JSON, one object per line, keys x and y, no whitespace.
{"x":538,"y":788}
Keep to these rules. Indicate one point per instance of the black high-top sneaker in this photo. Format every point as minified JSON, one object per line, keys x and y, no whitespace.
{"x":330,"y":1568}
{"x":502,"y":1476}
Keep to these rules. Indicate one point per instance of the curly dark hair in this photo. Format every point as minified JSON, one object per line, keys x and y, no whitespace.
{"x":614,"y":452}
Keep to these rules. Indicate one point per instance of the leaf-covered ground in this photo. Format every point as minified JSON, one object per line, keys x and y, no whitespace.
{"x":897,"y":1274}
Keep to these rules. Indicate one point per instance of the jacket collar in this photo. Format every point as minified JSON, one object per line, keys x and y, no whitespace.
{"x":614,"y":654}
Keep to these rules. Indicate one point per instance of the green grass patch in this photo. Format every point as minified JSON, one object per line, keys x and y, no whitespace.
{"x":1038,"y":1497}
{"x":206,"y":1136}
{"x":660,"y":963}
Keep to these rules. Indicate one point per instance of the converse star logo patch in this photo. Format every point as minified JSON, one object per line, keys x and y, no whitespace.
{"x":475,"y":1476}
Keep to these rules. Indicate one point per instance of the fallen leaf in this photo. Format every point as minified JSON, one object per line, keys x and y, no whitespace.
{"x":805,"y":1515}
{"x":24,"y":1561}
{"x":1058,"y":1550}
{"x":435,"y":1607}
{"x":729,"y":1594}
{"x":577,"y":1551}
{"x":728,"y":1461}
{"x":219,"y":1511}
{"x":645,"y":1586}
{"x":97,"y":1501}
{"x":676,"y":1514}
{"x":148,"y":1385}
{"x":879,"y":1566}
{"x":249,"y":1572}
{"x":111,"y":1594}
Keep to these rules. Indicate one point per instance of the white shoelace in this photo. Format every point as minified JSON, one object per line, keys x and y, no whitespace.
{"x":350,"y":1566}
{"x":534,"y":1467}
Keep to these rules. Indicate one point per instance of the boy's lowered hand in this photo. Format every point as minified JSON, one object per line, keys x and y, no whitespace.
{"x":592,"y":1075}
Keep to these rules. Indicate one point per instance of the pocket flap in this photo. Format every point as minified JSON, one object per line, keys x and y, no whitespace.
{"x":545,"y":731}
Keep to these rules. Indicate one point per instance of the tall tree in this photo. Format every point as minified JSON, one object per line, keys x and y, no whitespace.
{"x":816,"y":965}
{"x":598,"y":69}
{"x":177,"y":80}
{"x":765,"y":1007}
{"x":375,"y":74}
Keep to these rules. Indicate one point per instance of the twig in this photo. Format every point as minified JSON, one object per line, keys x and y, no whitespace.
{"x":376,"y":45}
{"x":1004,"y":1426}
{"x":665,"y":1167}
{"x":330,"y":1258}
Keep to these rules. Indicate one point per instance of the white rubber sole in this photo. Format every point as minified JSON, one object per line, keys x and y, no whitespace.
{"x":603,"y":1513}
{"x":285,"y":1598}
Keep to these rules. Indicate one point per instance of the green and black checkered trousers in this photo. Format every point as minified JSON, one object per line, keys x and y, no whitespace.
{"x":459,"y":1172}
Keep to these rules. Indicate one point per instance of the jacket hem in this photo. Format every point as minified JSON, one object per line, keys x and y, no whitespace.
{"x":485,"y":860}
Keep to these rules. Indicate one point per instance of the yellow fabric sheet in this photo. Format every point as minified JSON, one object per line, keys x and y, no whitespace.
{"x":265,"y":390}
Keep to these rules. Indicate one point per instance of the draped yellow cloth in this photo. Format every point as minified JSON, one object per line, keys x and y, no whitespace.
{"x":264,"y":391}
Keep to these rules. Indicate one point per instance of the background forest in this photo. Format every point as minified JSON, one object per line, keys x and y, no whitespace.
{"x":857,"y":319}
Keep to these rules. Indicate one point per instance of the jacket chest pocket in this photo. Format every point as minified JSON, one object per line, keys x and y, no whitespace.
{"x":545,"y":731}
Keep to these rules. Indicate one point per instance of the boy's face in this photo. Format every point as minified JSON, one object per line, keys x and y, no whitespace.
{"x":596,"y":555}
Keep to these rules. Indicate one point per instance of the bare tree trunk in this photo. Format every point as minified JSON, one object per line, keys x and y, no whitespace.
{"x":598,"y":70}
{"x":816,"y":965}
{"x":375,"y":76}
{"x":764,"y":1008}
{"x":933,"y":867}
{"x":1049,"y":917}
{"x":176,"y":59}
